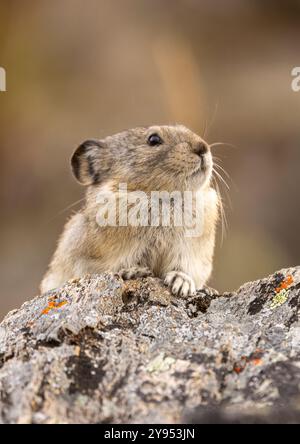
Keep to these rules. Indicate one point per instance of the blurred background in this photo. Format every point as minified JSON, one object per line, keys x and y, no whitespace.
{"x":79,"y":69}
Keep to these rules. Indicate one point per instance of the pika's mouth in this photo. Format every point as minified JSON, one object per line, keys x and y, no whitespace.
{"x":201,"y":168}
{"x":203,"y":164}
{"x":196,"y":172}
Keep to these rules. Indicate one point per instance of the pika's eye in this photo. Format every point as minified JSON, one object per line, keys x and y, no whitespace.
{"x":154,"y":139}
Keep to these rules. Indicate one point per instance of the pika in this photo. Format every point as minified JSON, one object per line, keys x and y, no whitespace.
{"x":162,"y":158}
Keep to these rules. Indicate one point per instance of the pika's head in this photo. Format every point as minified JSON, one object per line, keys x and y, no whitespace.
{"x":153,"y":158}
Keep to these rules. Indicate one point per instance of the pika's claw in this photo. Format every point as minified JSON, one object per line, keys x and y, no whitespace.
{"x":134,"y":273}
{"x":180,"y":283}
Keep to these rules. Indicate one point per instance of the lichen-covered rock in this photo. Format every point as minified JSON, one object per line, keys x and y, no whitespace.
{"x":103,"y":350}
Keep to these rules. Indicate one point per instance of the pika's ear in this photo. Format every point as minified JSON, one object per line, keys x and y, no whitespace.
{"x":89,"y":162}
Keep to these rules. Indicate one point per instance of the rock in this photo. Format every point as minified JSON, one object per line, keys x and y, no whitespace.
{"x":103,"y":350}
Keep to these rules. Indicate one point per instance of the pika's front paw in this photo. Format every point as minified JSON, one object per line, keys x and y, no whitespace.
{"x":180,"y":283}
{"x":134,"y":273}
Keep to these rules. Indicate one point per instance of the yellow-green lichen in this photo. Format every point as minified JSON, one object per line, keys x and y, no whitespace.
{"x":160,"y":363}
{"x":279,"y":299}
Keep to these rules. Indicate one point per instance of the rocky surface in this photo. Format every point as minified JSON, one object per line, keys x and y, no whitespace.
{"x":103,"y":350}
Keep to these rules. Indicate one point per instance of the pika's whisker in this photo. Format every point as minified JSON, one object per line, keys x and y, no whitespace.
{"x":222,"y":179}
{"x":207,"y":127}
{"x":224,"y":224}
{"x":70,"y":206}
{"x":222,"y":169}
{"x":212,"y":145}
{"x":218,"y":159}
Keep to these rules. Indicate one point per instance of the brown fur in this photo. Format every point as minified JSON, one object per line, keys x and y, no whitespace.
{"x":86,"y":248}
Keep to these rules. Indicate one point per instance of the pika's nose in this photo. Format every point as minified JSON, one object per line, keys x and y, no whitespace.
{"x":201,"y":149}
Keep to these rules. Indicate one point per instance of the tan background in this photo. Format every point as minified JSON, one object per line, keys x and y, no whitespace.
{"x":78,"y":69}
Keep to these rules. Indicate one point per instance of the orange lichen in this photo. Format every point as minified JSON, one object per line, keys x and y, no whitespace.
{"x":238,"y":369}
{"x":60,"y":304}
{"x":285,"y":284}
{"x":45,"y":311}
{"x":53,"y":305}
{"x":254,"y":358}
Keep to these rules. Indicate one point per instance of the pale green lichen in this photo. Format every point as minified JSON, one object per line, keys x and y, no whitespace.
{"x":160,"y":363}
{"x":279,"y":299}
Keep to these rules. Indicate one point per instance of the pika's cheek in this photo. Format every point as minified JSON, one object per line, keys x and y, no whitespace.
{"x":183,"y":156}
